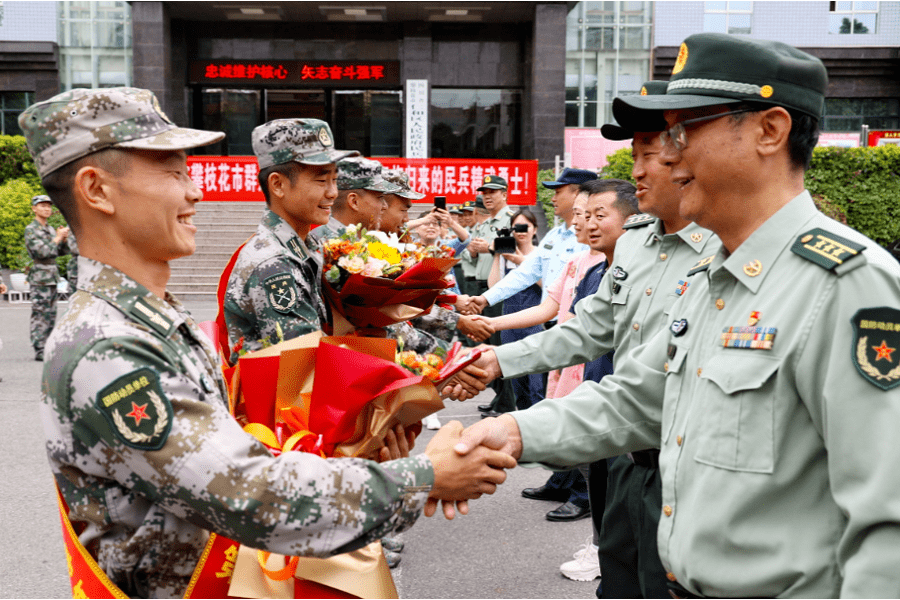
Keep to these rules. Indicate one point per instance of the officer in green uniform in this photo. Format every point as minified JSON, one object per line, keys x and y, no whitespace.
{"x":774,"y":394}
{"x":44,"y":244}
{"x":274,"y":292}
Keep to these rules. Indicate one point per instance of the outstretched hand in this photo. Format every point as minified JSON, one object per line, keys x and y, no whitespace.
{"x":460,"y":477}
{"x":469,"y":382}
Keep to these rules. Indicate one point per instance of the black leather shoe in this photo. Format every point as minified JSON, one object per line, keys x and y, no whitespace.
{"x":39,"y":357}
{"x":485,"y":407}
{"x":546,"y":492}
{"x":569,"y":512}
{"x":490,"y":413}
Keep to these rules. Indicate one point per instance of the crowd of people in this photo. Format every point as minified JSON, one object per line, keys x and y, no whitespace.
{"x":702,"y":358}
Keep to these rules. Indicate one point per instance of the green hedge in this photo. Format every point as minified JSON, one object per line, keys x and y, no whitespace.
{"x":857,"y":186}
{"x":15,"y":161}
{"x":15,"y":214}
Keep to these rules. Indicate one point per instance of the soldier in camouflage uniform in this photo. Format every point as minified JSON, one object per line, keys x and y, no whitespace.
{"x":274,"y":291}
{"x":44,"y":244}
{"x":360,"y":198}
{"x":140,"y":439}
{"x":72,"y":266}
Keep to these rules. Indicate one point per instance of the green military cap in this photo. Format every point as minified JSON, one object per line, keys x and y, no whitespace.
{"x":358,"y":173}
{"x":455,"y":210}
{"x":400,"y":179}
{"x":467,"y":205}
{"x":631,"y":119}
{"x":717,"y":68}
{"x":41,"y":198}
{"x":479,"y":203}
{"x":305,"y":141}
{"x":79,"y":122}
{"x":492,"y":182}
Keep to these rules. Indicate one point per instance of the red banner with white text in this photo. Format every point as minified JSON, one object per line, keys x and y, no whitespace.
{"x":234,"y":178}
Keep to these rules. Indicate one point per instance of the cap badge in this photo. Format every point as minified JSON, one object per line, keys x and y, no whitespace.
{"x":487,"y":179}
{"x":753,"y":268}
{"x":766,"y":91}
{"x":681,"y":60}
{"x":643,"y":91}
{"x":324,"y":137}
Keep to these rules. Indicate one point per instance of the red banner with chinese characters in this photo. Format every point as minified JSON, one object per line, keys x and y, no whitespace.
{"x":234,"y":178}
{"x":883,"y":138}
{"x":459,"y":178}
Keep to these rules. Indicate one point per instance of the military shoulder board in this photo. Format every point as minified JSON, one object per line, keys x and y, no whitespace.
{"x":702,"y":265}
{"x":825,"y":249}
{"x":638,"y":220}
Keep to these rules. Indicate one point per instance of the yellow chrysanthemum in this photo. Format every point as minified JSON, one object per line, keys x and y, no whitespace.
{"x":384,"y":252}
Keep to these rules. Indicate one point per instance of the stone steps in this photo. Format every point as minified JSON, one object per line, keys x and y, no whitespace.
{"x":221,"y":228}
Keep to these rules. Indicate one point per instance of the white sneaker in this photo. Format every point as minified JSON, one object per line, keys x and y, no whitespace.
{"x":586,"y":566}
{"x":432,"y":422}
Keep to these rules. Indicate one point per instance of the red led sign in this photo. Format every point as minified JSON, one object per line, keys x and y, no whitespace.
{"x":298,"y":73}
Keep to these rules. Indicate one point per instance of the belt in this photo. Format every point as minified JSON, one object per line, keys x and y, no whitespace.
{"x":678,"y":592}
{"x":646,"y":458}
{"x":45,"y":261}
{"x":470,"y":279}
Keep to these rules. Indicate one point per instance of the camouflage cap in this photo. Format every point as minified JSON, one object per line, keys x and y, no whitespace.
{"x":42,"y":198}
{"x":492,"y":182}
{"x":305,"y":141}
{"x":358,"y":173}
{"x":400,"y":179}
{"x":79,"y":122}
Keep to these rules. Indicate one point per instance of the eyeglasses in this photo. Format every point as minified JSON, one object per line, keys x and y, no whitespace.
{"x":677,"y":137}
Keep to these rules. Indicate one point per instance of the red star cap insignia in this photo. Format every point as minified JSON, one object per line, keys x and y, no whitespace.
{"x":138,"y":413}
{"x":884,"y":351}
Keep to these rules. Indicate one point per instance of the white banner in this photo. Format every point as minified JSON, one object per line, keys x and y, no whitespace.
{"x":417,"y":118}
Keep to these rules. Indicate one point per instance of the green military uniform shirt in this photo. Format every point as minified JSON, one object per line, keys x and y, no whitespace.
{"x":488,"y":231}
{"x":467,"y":261}
{"x":276,"y":283}
{"x":630,"y":306}
{"x":43,"y":251}
{"x":773,"y":397}
{"x":144,"y":449}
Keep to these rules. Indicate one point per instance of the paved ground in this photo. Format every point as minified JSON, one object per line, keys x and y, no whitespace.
{"x":503,"y":549}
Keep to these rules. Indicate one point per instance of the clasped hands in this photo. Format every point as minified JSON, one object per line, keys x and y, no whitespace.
{"x":469,"y":463}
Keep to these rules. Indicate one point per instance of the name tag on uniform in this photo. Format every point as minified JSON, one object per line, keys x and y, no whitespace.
{"x":548,"y":246}
{"x":756,"y":338}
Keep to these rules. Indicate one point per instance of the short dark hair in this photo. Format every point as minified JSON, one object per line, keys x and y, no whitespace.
{"x":289,"y":169}
{"x":60,"y":183}
{"x":626,"y":201}
{"x":803,"y":137}
{"x":524,"y":212}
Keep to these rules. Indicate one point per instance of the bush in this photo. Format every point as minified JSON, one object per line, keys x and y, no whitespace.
{"x":619,"y":167}
{"x":545,"y":195}
{"x":15,"y":161}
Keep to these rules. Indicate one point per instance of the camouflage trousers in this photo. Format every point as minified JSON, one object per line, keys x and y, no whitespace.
{"x":43,"y":315}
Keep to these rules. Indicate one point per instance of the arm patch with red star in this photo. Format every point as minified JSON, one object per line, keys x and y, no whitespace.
{"x":875,"y":343}
{"x":137,"y":409}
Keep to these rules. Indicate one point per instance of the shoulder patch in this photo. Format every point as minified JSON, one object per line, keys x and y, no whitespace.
{"x":145,"y":313}
{"x":281,"y":292}
{"x":875,"y":343}
{"x":638,"y":220}
{"x":137,"y":410}
{"x":827,"y":250}
{"x":702,"y":265}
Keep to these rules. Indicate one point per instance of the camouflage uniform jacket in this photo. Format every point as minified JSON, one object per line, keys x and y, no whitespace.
{"x":276,"y":282}
{"x":440,"y":322}
{"x":144,"y":450}
{"x":40,"y":246}
{"x":331,"y":229}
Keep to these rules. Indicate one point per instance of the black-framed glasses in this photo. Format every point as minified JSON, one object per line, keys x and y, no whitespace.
{"x":676,"y":135}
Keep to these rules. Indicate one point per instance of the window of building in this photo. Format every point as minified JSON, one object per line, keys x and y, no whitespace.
{"x":475,"y":123}
{"x":607,"y":55}
{"x":852,"y":16}
{"x":94,"y":44}
{"x":727,"y":17}
{"x":850,"y":114}
{"x":12,"y":104}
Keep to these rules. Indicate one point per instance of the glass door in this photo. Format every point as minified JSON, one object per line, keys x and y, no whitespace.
{"x":368,"y":121}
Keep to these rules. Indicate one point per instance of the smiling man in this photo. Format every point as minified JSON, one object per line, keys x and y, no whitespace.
{"x":276,"y":282}
{"x":140,"y":441}
{"x":771,"y":395}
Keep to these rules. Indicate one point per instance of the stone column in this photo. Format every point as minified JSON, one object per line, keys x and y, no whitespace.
{"x":544,"y":105}
{"x":153,"y":58}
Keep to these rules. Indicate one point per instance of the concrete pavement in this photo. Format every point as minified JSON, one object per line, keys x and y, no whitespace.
{"x":504,"y":548}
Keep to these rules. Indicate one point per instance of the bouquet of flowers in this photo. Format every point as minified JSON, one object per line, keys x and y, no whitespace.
{"x":372,"y":279}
